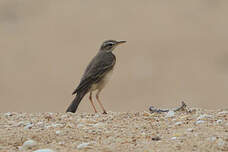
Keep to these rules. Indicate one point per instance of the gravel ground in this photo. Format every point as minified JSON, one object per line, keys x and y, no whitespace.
{"x":198,"y":130}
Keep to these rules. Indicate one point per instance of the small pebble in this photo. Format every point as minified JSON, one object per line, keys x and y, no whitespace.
{"x":83,"y":145}
{"x":199,"y":122}
{"x":204,"y":116}
{"x":61,"y":143}
{"x":178,"y":123}
{"x":40,"y":123}
{"x":8,"y":114}
{"x":219,"y":121}
{"x":29,"y":144}
{"x":99,"y":125}
{"x":221,"y":142}
{"x":212,"y":139}
{"x":56,"y":125}
{"x":173,"y":138}
{"x":156,"y":138}
{"x":44,"y":150}
{"x":28,"y":126}
{"x":80,"y":125}
{"x":190,"y":129}
{"x":170,"y":114}
{"x":58,"y":132}
{"x":222,"y":112}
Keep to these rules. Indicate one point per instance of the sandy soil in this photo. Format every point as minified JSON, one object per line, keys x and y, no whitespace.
{"x":198,"y":130}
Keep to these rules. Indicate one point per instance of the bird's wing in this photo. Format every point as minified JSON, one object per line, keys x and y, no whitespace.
{"x":95,"y":71}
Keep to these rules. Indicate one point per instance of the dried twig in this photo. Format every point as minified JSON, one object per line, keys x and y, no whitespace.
{"x":153,"y":109}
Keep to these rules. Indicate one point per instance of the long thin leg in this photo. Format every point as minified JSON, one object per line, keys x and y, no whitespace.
{"x":102,"y":107}
{"x":91,"y":100}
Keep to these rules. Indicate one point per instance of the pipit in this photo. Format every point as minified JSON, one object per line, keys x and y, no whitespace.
{"x":96,"y":75}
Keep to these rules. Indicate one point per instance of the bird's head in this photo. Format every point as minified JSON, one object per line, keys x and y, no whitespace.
{"x":110,"y":45}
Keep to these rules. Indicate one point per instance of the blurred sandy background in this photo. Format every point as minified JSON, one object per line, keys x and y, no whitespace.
{"x":176,"y":50}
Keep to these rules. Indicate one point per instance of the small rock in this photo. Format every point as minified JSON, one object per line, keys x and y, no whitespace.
{"x":61,"y":143}
{"x":146,"y":114}
{"x":199,"y":122}
{"x":58,"y":132}
{"x":83,"y":145}
{"x":174,"y":119}
{"x":143,"y":133}
{"x":190,"y":129}
{"x":8,"y":114}
{"x":44,"y":150}
{"x":170,"y":114}
{"x":29,"y":144}
{"x":56,"y":125}
{"x":99,"y":125}
{"x":219,"y":121}
{"x":156,"y":138}
{"x":97,"y":115}
{"x":204,"y":116}
{"x":212,"y":139}
{"x":80,"y":125}
{"x":221,"y":142}
{"x":173,"y":138}
{"x":28,"y":126}
{"x":178,"y":123}
{"x":223,"y":113}
{"x":40,"y":123}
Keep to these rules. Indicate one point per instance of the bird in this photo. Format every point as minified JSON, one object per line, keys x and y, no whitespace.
{"x":96,"y":75}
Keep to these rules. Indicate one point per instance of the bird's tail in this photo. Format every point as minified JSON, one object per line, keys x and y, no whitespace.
{"x":74,"y":104}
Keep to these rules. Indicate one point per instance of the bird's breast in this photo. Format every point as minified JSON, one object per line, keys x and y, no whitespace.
{"x":101,"y":84}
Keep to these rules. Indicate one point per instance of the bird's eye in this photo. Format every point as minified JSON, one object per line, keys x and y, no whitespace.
{"x":110,"y":44}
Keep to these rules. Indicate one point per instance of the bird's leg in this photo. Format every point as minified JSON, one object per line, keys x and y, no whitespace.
{"x":91,"y":100}
{"x":102,"y":107}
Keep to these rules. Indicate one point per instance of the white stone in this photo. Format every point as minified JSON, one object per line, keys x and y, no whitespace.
{"x":29,"y":144}
{"x":199,"y":122}
{"x":40,"y":123}
{"x":190,"y":129}
{"x":56,"y":125}
{"x":178,"y":123}
{"x":44,"y":150}
{"x":61,"y":143}
{"x":28,"y":126}
{"x":221,"y":142}
{"x":8,"y":114}
{"x":212,"y":139}
{"x":83,"y":145}
{"x":80,"y":125}
{"x":99,"y":125}
{"x":170,"y":114}
{"x":223,"y":112}
{"x":174,"y":138}
{"x":219,"y":121}
{"x":204,"y":116}
{"x":58,"y":132}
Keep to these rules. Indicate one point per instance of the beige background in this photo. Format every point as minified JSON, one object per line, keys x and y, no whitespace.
{"x":176,"y":50}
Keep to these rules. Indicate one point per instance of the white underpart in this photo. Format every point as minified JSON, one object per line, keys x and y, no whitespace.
{"x":103,"y":82}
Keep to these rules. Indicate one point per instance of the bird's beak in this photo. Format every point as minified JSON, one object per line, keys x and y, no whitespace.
{"x":121,"y":42}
